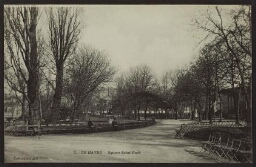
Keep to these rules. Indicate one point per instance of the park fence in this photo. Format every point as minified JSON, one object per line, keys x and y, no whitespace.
{"x":200,"y":126}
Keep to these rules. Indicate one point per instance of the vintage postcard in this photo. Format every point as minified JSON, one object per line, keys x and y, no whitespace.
{"x":127,"y":84}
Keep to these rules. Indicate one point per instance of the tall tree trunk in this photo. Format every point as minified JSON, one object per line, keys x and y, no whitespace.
{"x":210,"y":108}
{"x":58,"y":93}
{"x":74,"y":112}
{"x":234,"y":93}
{"x":145,"y":113}
{"x":138,"y":114}
{"x":23,"y":108}
{"x":236,"y":108}
{"x":206,"y":108}
{"x":199,"y":111}
{"x":135,"y":114}
{"x":193,"y":111}
{"x":33,"y":81}
{"x":176,"y":112}
{"x":33,"y":100}
{"x":166,"y":113}
{"x":249,"y":106}
{"x":247,"y":94}
{"x":220,"y":105}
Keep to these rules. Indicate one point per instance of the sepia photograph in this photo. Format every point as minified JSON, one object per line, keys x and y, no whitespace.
{"x":128,"y":84}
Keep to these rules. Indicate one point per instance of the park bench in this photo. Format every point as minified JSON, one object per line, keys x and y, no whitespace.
{"x":243,"y":151}
{"x":238,"y":150}
{"x":184,"y":128}
{"x":220,"y":145}
{"x":208,"y":146}
{"x":180,"y":132}
{"x":224,"y":146}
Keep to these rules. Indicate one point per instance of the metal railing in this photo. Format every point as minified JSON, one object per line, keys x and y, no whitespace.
{"x":185,"y":128}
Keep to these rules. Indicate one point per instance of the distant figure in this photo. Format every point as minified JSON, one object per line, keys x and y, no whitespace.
{"x":114,"y":124}
{"x":26,"y":122}
{"x":90,"y":124}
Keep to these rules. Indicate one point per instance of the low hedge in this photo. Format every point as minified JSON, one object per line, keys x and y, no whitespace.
{"x":78,"y":128}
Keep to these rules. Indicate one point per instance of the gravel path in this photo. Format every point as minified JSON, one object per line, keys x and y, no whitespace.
{"x":156,"y":144}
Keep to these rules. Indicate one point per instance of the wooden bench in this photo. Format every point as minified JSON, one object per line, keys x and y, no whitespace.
{"x":180,"y":132}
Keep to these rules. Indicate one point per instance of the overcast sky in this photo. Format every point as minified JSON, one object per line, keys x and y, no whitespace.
{"x":160,"y":36}
{"x":157,"y":35}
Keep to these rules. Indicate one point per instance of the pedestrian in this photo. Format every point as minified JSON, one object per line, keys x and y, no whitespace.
{"x":114,"y":124}
{"x":90,"y":124}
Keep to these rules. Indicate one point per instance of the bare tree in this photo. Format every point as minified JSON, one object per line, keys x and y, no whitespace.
{"x":87,"y":70}
{"x":21,"y":41}
{"x":168,"y":83}
{"x":237,"y":38}
{"x":64,"y":30}
{"x":138,"y":80}
{"x":121,"y":97}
